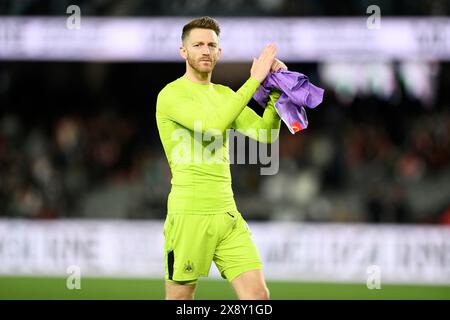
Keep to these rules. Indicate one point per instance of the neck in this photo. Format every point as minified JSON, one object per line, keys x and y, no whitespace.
{"x":197,"y":77}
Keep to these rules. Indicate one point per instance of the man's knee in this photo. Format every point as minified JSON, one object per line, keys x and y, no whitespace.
{"x":176,"y":291}
{"x":261,"y":293}
{"x":250,"y":285}
{"x":178,"y":295}
{"x":255,"y":293}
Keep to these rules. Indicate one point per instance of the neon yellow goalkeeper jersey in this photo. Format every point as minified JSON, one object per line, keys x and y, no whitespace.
{"x":193,"y":121}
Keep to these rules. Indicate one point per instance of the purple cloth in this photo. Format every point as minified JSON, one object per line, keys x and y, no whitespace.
{"x":296,"y":93}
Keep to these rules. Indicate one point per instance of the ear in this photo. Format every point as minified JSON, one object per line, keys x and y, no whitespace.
{"x":183,"y":53}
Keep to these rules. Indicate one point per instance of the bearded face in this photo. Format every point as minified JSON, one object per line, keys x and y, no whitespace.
{"x":201,"y":63}
{"x":201,"y":50}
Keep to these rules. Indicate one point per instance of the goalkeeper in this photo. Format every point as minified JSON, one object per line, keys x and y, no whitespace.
{"x":203,"y":223}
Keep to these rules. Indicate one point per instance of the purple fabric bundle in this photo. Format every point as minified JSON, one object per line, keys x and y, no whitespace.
{"x":296,"y":93}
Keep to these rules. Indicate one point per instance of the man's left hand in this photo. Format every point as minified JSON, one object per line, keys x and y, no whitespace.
{"x":277,"y":65}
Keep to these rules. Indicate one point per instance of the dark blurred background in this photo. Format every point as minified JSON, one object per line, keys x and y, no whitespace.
{"x":225,"y":7}
{"x":80,"y":139}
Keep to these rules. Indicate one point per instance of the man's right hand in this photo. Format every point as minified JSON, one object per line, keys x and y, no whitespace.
{"x":261,"y":66}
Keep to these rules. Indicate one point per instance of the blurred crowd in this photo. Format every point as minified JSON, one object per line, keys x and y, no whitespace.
{"x":96,"y":166}
{"x":362,"y":174}
{"x":78,"y":167}
{"x":80,"y":140}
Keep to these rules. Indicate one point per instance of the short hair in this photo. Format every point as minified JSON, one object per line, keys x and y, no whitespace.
{"x":201,"y":23}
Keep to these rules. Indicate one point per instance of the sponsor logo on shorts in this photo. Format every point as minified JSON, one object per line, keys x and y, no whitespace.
{"x":188,"y":267}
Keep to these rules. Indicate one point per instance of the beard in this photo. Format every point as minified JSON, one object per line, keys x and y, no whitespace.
{"x":200,"y":66}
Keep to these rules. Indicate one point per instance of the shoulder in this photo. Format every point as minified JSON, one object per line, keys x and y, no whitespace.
{"x":169,"y":89}
{"x":167,"y":97}
{"x":223,"y":89}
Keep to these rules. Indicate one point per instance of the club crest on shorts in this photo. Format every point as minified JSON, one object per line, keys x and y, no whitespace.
{"x":188,"y":267}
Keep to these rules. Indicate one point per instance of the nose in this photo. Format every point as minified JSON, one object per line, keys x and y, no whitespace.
{"x":206,"y":51}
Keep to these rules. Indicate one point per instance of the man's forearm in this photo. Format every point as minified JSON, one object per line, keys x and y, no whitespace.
{"x":263,"y":129}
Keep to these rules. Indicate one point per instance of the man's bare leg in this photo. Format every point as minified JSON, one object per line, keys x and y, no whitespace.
{"x":179,"y":291}
{"x":251,"y":286}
